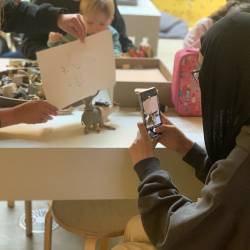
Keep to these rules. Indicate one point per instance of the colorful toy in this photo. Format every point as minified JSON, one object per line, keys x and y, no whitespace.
{"x":140,"y":53}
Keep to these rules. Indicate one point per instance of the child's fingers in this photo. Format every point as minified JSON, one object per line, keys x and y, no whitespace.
{"x":58,"y":35}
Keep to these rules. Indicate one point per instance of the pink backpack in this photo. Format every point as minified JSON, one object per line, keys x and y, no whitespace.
{"x":185,"y":91}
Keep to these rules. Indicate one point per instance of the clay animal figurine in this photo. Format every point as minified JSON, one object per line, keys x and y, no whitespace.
{"x":94,"y":115}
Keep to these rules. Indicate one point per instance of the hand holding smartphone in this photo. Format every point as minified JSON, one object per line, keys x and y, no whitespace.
{"x":149,"y":104}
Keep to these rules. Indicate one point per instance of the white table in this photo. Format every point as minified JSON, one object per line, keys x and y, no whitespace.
{"x":57,"y":161}
{"x":141,"y":21}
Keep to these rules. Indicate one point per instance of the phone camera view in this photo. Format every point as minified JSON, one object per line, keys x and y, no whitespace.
{"x":151,"y":112}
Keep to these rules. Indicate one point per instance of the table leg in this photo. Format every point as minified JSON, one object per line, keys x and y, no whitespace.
{"x":28,"y":219}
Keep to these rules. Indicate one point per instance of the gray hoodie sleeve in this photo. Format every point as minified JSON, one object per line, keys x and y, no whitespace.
{"x":197,"y":158}
{"x":172,"y":221}
{"x":158,"y":199}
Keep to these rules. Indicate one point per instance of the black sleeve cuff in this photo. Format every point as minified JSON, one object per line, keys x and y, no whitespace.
{"x":197,"y":157}
{"x":146,"y":167}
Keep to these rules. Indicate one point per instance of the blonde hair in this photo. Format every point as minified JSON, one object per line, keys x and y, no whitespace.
{"x":95,"y":6}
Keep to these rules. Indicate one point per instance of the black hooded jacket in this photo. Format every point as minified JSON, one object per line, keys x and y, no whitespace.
{"x":33,"y":42}
{"x":24,"y":17}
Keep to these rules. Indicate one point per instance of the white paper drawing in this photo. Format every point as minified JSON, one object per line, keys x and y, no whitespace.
{"x":75,"y":70}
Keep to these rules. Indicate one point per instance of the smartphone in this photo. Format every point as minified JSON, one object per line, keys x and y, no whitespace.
{"x":149,"y":103}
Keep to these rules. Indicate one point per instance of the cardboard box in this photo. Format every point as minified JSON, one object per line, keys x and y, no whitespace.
{"x":143,"y":73}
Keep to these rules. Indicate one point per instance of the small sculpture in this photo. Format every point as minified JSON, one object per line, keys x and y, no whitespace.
{"x":22,"y":93}
{"x":94,"y":115}
{"x":9,"y":90}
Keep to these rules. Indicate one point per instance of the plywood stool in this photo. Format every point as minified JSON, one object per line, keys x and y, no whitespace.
{"x":90,"y":218}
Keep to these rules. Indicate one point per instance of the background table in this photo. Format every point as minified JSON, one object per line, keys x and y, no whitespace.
{"x":142,"y":20}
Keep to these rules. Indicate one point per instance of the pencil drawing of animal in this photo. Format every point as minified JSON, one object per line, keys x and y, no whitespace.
{"x":72,"y":72}
{"x":96,"y":116}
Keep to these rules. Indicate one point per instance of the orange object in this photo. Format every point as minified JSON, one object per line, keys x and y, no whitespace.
{"x":132,"y":53}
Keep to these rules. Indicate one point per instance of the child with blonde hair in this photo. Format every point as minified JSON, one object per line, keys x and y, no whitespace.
{"x":98,"y":15}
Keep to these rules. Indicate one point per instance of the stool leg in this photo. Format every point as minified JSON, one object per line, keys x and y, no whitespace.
{"x":11,"y":203}
{"x":48,"y":231}
{"x":28,"y":217}
{"x":90,"y":243}
{"x":104,"y":243}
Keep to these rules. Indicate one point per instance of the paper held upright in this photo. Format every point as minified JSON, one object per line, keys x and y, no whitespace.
{"x":76,"y":70}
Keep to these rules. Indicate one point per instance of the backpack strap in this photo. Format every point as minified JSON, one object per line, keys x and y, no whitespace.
{"x":190,"y":47}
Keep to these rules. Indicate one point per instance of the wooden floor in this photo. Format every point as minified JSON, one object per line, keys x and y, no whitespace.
{"x":13,"y":237}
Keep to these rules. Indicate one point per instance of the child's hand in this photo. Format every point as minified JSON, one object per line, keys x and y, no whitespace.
{"x":144,"y":46}
{"x":55,"y":37}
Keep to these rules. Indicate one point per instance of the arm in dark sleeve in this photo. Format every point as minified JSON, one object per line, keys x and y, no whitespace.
{"x":119,"y":25}
{"x":39,"y":2}
{"x":70,"y":5}
{"x":158,"y":199}
{"x":197,"y":157}
{"x":33,"y":43}
{"x":171,"y":221}
{"x":29,"y":18}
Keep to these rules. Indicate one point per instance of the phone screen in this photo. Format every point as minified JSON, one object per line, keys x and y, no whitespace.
{"x":150,"y":106}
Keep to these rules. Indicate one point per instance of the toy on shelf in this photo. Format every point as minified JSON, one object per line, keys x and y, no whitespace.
{"x":95,"y":116}
{"x":140,"y":53}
